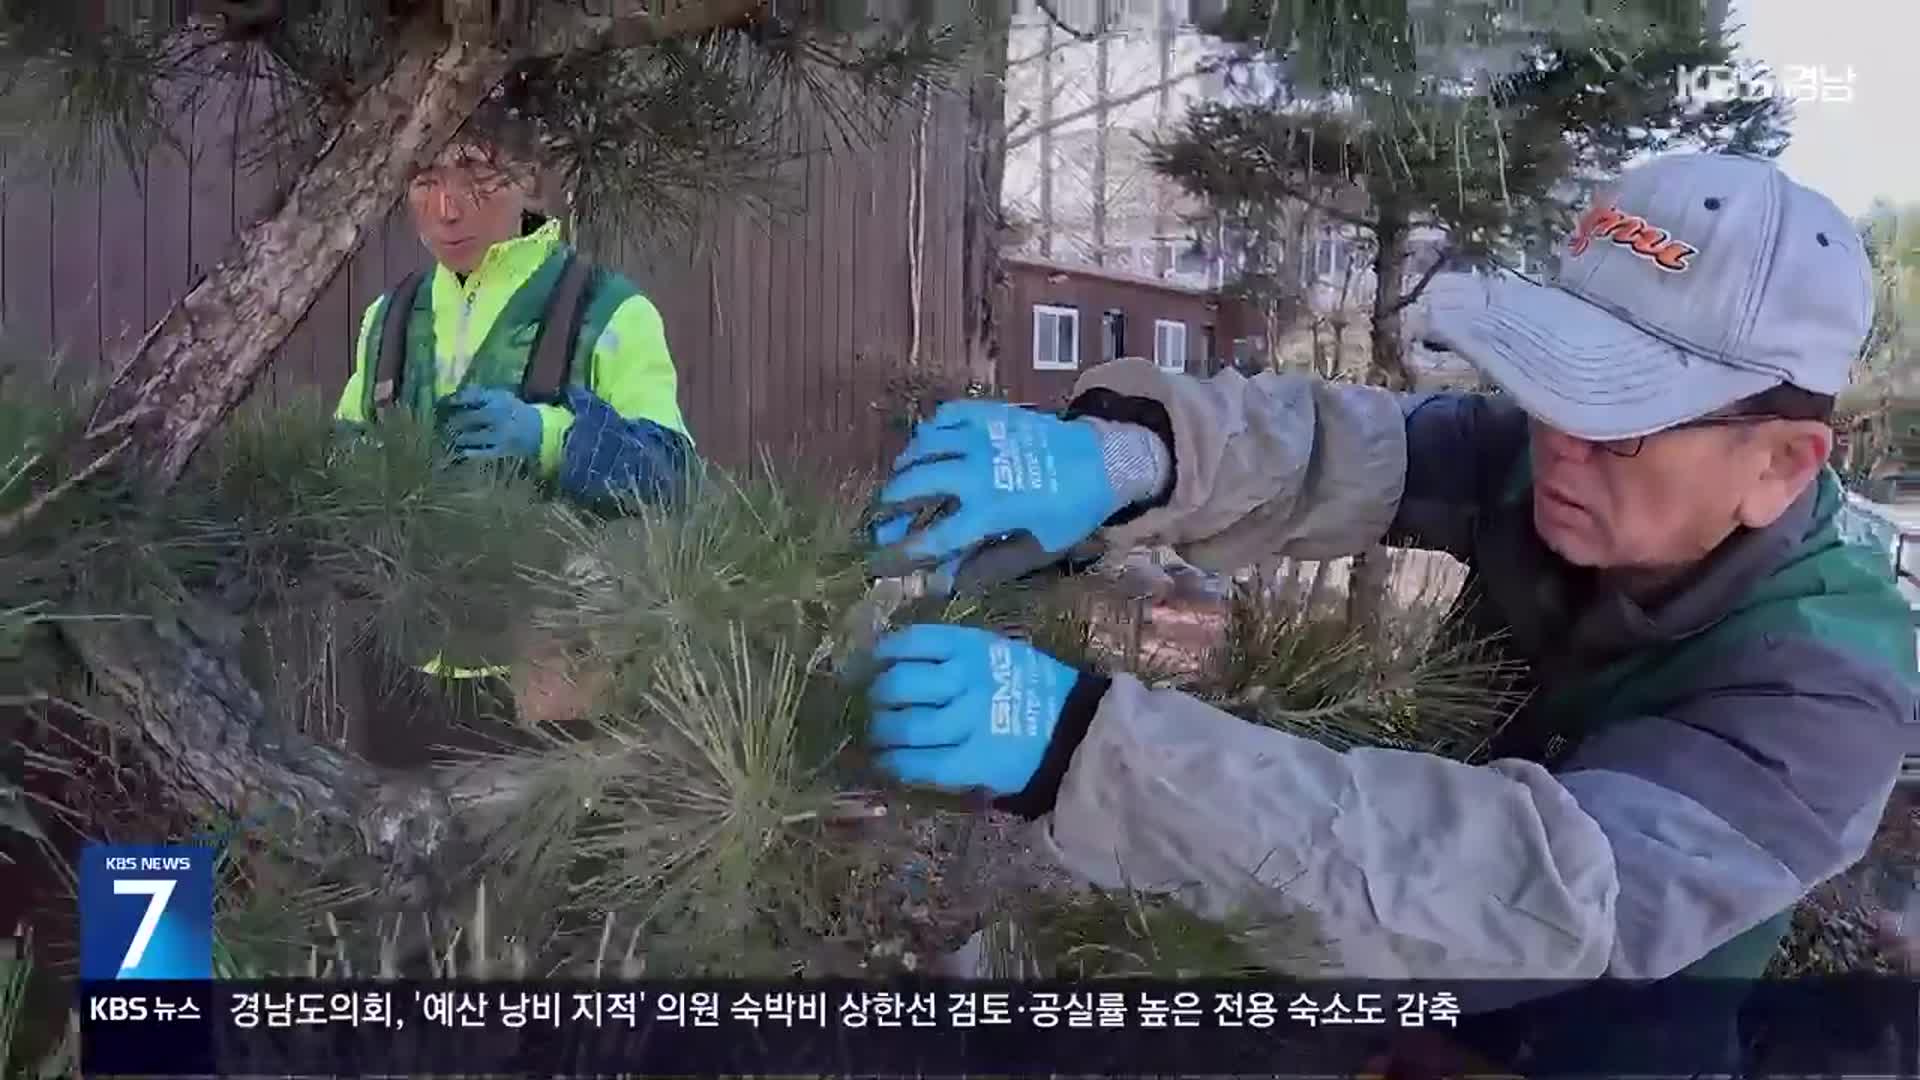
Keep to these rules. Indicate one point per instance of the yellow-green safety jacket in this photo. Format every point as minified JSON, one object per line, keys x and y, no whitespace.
{"x":618,"y":428}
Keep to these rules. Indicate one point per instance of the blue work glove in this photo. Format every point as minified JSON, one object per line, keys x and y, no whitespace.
{"x":960,"y":708}
{"x":484,"y":423}
{"x":1000,"y":472}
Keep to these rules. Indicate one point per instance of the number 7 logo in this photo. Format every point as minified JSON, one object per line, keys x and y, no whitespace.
{"x":158,"y":891}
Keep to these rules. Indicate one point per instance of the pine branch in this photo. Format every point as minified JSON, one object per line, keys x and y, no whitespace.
{"x":1205,"y":67}
{"x":1420,"y":286}
{"x":1053,"y":16}
{"x":578,"y":31}
{"x":245,"y":17}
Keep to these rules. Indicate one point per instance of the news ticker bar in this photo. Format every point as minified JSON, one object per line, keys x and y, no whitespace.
{"x":712,"y":1028}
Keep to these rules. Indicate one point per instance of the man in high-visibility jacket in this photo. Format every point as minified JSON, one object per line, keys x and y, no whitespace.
{"x":603,"y":422}
{"x":523,"y":350}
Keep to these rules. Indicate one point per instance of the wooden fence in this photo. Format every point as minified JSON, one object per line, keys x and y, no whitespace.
{"x":787,"y":332}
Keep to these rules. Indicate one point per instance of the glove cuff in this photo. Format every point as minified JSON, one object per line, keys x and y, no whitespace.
{"x":1137,"y":462}
{"x":1076,"y":716}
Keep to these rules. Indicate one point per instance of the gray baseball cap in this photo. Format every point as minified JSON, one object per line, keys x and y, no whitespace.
{"x":1693,"y":281}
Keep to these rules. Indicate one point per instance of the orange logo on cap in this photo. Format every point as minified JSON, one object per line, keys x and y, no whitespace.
{"x":1606,"y":222}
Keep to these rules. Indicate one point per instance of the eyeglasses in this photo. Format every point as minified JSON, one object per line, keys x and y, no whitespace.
{"x":1627,"y":448}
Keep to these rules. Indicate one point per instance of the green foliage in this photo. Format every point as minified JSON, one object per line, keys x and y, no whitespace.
{"x":1892,"y":236}
{"x":641,"y":136}
{"x":65,"y":109}
{"x":17,"y":970}
{"x":1281,"y":667}
{"x":1486,"y":123}
{"x":710,"y":809}
{"x":1127,"y":934}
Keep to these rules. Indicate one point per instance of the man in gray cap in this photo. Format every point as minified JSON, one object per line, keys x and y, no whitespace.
{"x":1719,"y":682}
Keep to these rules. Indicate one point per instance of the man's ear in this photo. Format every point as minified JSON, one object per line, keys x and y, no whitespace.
{"x":1796,"y":451}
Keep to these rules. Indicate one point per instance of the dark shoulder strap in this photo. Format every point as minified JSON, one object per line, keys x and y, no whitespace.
{"x":390,"y":362}
{"x":550,"y":361}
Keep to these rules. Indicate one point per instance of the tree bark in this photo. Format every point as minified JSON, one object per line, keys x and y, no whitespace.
{"x":1046,"y":150}
{"x":171,"y":686}
{"x":1102,"y":131}
{"x":981,"y":221}
{"x":1389,"y":267}
{"x":200,"y":361}
{"x":1367,"y":589}
{"x":201,"y":727}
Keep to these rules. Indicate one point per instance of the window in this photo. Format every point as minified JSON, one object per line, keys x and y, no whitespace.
{"x":1208,"y":343}
{"x":1113,"y":335}
{"x":1170,"y":345}
{"x":1326,"y":256}
{"x":1192,"y":260}
{"x":1056,"y":338}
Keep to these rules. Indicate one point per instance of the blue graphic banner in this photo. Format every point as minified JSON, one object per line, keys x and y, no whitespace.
{"x":949,"y":1028}
{"x":146,"y":911}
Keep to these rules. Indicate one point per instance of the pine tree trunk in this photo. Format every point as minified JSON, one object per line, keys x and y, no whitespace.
{"x":173,"y":689}
{"x":1389,"y":267}
{"x":981,"y":225}
{"x":193,"y":367}
{"x":202,"y":729}
{"x":1367,"y":589}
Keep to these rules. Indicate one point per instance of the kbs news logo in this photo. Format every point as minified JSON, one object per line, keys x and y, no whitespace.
{"x":146,"y":912}
{"x":1718,"y":84}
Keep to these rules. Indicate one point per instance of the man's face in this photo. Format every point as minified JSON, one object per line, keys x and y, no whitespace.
{"x":464,"y":204}
{"x":1672,"y":502}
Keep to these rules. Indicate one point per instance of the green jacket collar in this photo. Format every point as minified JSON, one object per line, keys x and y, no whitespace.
{"x":507,"y":265}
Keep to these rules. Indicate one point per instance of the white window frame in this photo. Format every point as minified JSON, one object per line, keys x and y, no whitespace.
{"x":1160,"y":326}
{"x":1042,"y":317}
{"x":1329,"y":252}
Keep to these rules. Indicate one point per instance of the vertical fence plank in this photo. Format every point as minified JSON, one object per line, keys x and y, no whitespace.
{"x":678,"y":288}
{"x":842,"y":265}
{"x":123,"y":260}
{"x":803,"y":332}
{"x":750,"y":298}
{"x":29,"y":294}
{"x":6,"y":328}
{"x":701,"y":317}
{"x":791,"y":328}
{"x":950,"y":203}
{"x":366,"y":278}
{"x":73,"y":277}
{"x":167,"y":220}
{"x":404,"y":251}
{"x":776,"y":420}
{"x":759,"y":259}
{"x":723,"y":414}
{"x":210,"y":182}
{"x":882,"y":252}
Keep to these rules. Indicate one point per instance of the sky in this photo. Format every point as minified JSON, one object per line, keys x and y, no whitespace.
{"x":1870,"y":146}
